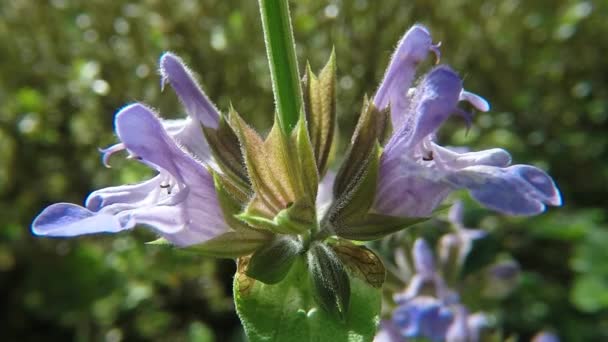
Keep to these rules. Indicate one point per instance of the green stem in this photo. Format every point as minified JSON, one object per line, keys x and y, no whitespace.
{"x":280,"y":48}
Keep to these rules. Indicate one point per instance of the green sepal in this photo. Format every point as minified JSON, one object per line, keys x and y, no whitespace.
{"x":329,"y":280}
{"x":271,"y":263}
{"x":374,"y":226}
{"x":293,"y":220}
{"x":320,"y":106}
{"x":288,"y":311}
{"x":283,"y":175}
{"x":297,"y":218}
{"x":371,"y":128}
{"x":306,"y":165}
{"x":356,"y":201}
{"x":267,"y":166}
{"x":361,"y":261}
{"x":232,"y":244}
{"x":231,"y":200}
{"x":226,"y":149}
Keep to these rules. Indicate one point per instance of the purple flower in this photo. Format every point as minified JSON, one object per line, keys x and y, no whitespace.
{"x":416,"y":174}
{"x":461,"y":240}
{"x":423,"y":316}
{"x":428,"y":308}
{"x":180,"y":202}
{"x":545,"y":336}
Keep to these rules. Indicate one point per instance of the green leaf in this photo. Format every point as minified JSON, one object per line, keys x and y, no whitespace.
{"x":287,"y":311}
{"x":330,"y":282}
{"x":281,"y":51}
{"x":271,"y":263}
{"x":320,"y":108}
{"x":361,"y":261}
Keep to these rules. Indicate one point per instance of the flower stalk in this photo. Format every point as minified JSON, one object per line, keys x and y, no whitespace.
{"x":280,"y":47}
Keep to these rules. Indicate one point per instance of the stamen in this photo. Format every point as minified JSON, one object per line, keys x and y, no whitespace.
{"x":468,"y":117}
{"x":167,"y":186}
{"x":435,"y":49}
{"x":108,"y":152}
{"x":477,"y":101}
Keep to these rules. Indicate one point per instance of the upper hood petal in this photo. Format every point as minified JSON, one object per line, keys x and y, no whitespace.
{"x":174,"y":71}
{"x":413,"y":48}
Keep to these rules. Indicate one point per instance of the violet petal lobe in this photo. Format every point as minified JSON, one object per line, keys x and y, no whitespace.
{"x":435,"y":99}
{"x":424,"y":317}
{"x":413,"y":48}
{"x":67,"y":219}
{"x":424,"y":261}
{"x":174,"y":71}
{"x":515,"y":190}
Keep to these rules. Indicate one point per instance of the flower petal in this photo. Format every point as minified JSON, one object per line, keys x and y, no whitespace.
{"x":408,"y":189}
{"x":424,"y":261}
{"x":413,"y":48}
{"x":189,"y":135}
{"x":515,"y":190}
{"x":456,"y":160}
{"x":66,"y":219}
{"x":174,"y":71}
{"x":435,"y":99}
{"x":388,"y":332}
{"x":325,"y":193}
{"x":144,"y":136}
{"x":424,"y":317}
{"x":456,"y":214}
{"x":136,"y":194}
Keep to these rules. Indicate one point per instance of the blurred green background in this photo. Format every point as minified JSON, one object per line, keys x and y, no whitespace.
{"x":67,"y":66}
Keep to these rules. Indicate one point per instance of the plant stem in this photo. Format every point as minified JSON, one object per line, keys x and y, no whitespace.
{"x":280,"y":48}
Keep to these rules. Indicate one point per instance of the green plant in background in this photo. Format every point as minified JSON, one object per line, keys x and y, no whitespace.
{"x":69,"y":85}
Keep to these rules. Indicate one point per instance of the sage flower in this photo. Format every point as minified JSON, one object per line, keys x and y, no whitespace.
{"x":545,"y":336}
{"x":180,"y":202}
{"x":428,"y":308}
{"x":416,"y":174}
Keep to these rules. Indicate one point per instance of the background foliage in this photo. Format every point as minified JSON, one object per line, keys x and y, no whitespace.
{"x":67,"y":66}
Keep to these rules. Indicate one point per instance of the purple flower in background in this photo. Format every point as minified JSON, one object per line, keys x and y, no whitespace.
{"x":545,"y":336}
{"x":180,"y":202}
{"x":416,"y":174}
{"x":461,"y":239}
{"x":428,"y":308}
{"x":423,"y":316}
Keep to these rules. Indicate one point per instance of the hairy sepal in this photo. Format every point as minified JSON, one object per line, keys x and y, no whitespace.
{"x":370,"y":129}
{"x":271,"y":263}
{"x":227,"y":152}
{"x":283,"y":175}
{"x":329,"y":280}
{"x":320,"y":107}
{"x":361,"y":262}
